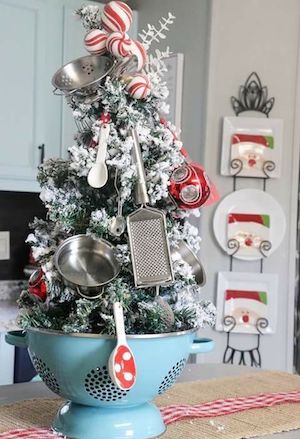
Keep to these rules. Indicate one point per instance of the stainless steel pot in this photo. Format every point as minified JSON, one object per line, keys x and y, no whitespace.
{"x":87,"y":264}
{"x":190,"y":258}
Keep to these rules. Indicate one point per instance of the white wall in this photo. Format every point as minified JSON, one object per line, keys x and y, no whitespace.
{"x":188,"y":35}
{"x":223,"y":42}
{"x":261,"y":36}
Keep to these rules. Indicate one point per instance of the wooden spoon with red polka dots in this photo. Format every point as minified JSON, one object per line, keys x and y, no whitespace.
{"x":121,"y":366}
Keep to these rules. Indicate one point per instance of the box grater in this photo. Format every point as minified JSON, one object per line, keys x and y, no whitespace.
{"x":149,"y":246}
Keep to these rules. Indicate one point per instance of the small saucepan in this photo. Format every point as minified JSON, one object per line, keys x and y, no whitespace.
{"x":87,"y":264}
{"x":190,"y":258}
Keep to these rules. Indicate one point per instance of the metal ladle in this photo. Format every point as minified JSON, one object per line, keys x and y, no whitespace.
{"x":118,"y":223}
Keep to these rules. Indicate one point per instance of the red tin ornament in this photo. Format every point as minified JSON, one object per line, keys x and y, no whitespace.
{"x":37,"y":285}
{"x":189,"y":186}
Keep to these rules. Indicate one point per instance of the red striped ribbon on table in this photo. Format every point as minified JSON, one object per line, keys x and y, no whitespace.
{"x":175,"y":413}
{"x":29,"y":433}
{"x":227,"y":406}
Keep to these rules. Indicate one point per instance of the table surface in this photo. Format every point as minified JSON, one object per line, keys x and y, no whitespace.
{"x":17,"y":392}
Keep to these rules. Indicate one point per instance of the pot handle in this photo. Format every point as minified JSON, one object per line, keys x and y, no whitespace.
{"x":17,"y":338}
{"x":201,"y":346}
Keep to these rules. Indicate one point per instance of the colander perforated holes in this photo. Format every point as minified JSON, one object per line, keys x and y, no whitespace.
{"x":172,"y":376}
{"x":88,"y":68}
{"x":45,"y":373}
{"x":99,"y":386}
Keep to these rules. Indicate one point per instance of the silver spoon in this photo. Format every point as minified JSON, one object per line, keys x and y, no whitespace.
{"x":118,"y":223}
{"x":98,"y":174}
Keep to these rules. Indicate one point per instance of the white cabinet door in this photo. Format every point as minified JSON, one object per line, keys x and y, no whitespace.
{"x":24,"y":42}
{"x":36,"y":38}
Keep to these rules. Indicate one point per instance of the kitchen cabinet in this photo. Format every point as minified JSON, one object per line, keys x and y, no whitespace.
{"x":36,"y":38}
{"x":24,"y":110}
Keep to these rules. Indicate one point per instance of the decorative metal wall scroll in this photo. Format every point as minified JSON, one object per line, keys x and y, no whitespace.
{"x":252,"y":97}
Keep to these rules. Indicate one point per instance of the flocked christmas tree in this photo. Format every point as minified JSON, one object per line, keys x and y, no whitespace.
{"x":130,"y":96}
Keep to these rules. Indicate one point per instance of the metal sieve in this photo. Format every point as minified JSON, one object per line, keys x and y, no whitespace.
{"x":83,"y":75}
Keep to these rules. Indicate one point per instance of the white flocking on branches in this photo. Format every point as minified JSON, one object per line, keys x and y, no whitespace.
{"x":154,"y":34}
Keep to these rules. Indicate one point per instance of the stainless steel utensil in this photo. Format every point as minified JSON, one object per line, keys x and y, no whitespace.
{"x":118,"y":223}
{"x":98,"y":174}
{"x":82,"y":76}
{"x":87,"y":264}
{"x":190,"y":258}
{"x":150,"y":253}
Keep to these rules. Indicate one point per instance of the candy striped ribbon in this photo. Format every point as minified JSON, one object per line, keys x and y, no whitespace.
{"x":29,"y":433}
{"x":221,"y":407}
{"x":175,"y":413}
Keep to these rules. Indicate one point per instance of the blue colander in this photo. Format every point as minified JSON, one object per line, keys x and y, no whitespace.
{"x":74,"y":366}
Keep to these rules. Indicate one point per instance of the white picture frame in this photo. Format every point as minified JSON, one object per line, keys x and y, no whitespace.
{"x":174,"y":82}
{"x":247,"y":295}
{"x":252,"y":158}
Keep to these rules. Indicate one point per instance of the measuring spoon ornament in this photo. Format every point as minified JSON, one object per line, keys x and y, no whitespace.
{"x":121,"y":366}
{"x":98,"y":174}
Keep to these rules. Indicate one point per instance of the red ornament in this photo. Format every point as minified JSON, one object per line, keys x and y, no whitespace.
{"x":116,"y":16}
{"x":95,"y":42}
{"x":189,"y":186}
{"x":37,"y":285}
{"x":105,"y":117}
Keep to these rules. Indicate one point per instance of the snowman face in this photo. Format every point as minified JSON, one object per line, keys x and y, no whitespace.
{"x":244,"y":316}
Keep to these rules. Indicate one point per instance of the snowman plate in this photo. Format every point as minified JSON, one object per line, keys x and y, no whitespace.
{"x":251,"y":147}
{"x":249,"y":224}
{"x":249,"y":300}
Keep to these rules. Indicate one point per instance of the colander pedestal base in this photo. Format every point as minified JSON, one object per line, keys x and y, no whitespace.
{"x":84,"y":422}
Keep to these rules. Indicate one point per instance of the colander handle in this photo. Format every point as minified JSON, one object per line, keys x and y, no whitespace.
{"x":202,"y":345}
{"x":17,"y":338}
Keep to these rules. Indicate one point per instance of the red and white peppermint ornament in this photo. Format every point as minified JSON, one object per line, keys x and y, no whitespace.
{"x":138,"y":86}
{"x":95,"y":42}
{"x":116,"y":16}
{"x":140,"y":52}
{"x":118,"y":44}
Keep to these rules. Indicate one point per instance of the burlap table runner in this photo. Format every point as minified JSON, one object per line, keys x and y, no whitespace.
{"x":247,"y":424}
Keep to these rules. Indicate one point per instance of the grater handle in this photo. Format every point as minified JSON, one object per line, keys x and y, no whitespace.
{"x":141,"y":195}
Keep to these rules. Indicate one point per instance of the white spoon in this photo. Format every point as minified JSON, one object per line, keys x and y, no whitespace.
{"x":98,"y":174}
{"x":121,"y":365}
